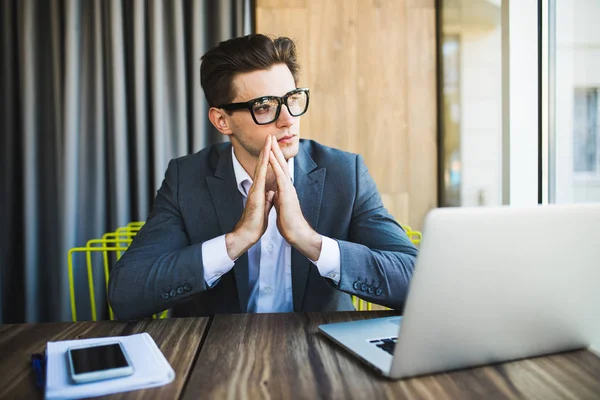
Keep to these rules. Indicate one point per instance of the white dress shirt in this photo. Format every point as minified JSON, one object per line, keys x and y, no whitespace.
{"x":269,"y":260}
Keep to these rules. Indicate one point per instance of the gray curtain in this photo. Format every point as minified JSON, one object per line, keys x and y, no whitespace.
{"x":97,"y":97}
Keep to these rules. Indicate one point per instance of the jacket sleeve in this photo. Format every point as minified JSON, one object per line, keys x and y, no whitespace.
{"x":160,"y":269}
{"x":378,"y":260}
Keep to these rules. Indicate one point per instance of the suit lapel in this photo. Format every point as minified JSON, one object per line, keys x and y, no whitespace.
{"x":309,"y":182}
{"x":228,"y":203}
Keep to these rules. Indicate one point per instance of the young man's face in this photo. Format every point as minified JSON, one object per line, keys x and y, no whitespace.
{"x":248,"y":138}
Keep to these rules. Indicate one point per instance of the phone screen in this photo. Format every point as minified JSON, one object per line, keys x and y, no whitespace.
{"x":98,"y":358}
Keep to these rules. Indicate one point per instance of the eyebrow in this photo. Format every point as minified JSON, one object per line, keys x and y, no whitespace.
{"x":267,"y":95}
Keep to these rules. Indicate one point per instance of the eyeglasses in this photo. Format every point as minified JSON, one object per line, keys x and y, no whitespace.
{"x":266,"y":109}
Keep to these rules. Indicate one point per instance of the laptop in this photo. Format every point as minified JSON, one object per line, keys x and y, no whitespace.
{"x":490,"y":285}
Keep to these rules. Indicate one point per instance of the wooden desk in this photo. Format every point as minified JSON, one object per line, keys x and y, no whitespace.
{"x":282,"y":356}
{"x":178,"y":339}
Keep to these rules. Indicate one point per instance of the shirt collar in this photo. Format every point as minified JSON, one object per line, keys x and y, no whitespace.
{"x":244,"y":181}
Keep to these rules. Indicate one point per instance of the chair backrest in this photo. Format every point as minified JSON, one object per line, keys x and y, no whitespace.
{"x":362,"y":305}
{"x":111,"y":246}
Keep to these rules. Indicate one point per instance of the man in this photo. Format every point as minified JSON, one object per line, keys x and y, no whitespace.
{"x":269,"y":222}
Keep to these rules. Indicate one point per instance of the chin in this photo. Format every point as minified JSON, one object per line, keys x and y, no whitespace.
{"x":290,"y":150}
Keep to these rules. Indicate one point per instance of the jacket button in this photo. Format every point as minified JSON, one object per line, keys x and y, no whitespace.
{"x":379,"y":292}
{"x":363,"y":287}
{"x":356,"y":285}
{"x":172,"y":293}
{"x":165,"y":296}
{"x":370,"y":290}
{"x":187,"y":287}
{"x":179,"y":290}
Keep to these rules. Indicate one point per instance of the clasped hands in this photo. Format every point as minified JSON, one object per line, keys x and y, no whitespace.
{"x":290,"y":221}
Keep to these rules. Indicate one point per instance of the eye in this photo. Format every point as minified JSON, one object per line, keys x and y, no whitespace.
{"x":262,"y":108}
{"x":265,"y":106}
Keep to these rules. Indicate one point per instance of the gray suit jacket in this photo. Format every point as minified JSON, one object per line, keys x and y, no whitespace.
{"x":199,"y":200}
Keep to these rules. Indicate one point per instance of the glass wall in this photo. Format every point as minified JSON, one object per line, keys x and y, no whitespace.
{"x":575,"y":143}
{"x":471,"y":114}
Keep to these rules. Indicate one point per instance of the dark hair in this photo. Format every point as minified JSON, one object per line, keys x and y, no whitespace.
{"x":254,"y":52}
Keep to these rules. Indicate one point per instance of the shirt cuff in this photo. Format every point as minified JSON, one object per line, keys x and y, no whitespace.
{"x":215,"y":259}
{"x":328,"y":263}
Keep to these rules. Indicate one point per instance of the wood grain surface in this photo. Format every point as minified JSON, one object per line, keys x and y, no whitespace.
{"x":283,"y":356}
{"x":178,"y":339}
{"x":371,"y":68}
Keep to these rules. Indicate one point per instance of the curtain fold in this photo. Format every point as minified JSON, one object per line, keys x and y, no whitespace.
{"x":97,"y":97}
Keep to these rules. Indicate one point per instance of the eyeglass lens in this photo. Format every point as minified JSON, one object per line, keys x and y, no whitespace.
{"x":265,"y":111}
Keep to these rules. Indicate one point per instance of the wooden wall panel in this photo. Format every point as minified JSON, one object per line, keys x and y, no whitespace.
{"x":330,"y":67}
{"x":287,"y":22}
{"x":283,"y":4}
{"x":370,"y":65}
{"x":382,"y":94}
{"x":418,"y":3}
{"x":422,"y":122}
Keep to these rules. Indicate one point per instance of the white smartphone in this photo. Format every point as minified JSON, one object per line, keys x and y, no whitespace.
{"x":99,"y":361}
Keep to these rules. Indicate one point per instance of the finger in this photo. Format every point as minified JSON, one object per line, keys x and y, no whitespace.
{"x":269,"y":197}
{"x":262,"y":154}
{"x":260,"y":175}
{"x":282,"y":179}
{"x":279,"y":156}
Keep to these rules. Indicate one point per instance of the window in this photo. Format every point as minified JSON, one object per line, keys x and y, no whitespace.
{"x":574,"y":93}
{"x":451,"y":123}
{"x":586,"y":132}
{"x":471,"y":103}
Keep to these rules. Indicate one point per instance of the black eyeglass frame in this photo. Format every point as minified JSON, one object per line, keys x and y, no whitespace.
{"x":247,"y":105}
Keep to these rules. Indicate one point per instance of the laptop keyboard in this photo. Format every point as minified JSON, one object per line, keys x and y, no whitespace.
{"x":386,"y":344}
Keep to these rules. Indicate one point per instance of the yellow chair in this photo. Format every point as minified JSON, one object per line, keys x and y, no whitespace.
{"x":118,"y":241}
{"x":111,"y":246}
{"x":362,"y":305}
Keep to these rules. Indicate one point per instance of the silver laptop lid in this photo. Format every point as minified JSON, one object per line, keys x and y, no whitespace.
{"x":495,"y":284}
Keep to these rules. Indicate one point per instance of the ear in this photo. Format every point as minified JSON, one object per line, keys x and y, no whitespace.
{"x":220,"y":120}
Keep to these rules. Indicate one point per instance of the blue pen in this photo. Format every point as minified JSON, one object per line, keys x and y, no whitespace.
{"x":38,"y":362}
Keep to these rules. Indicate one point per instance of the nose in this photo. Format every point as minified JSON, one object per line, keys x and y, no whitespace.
{"x":285,"y":118}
